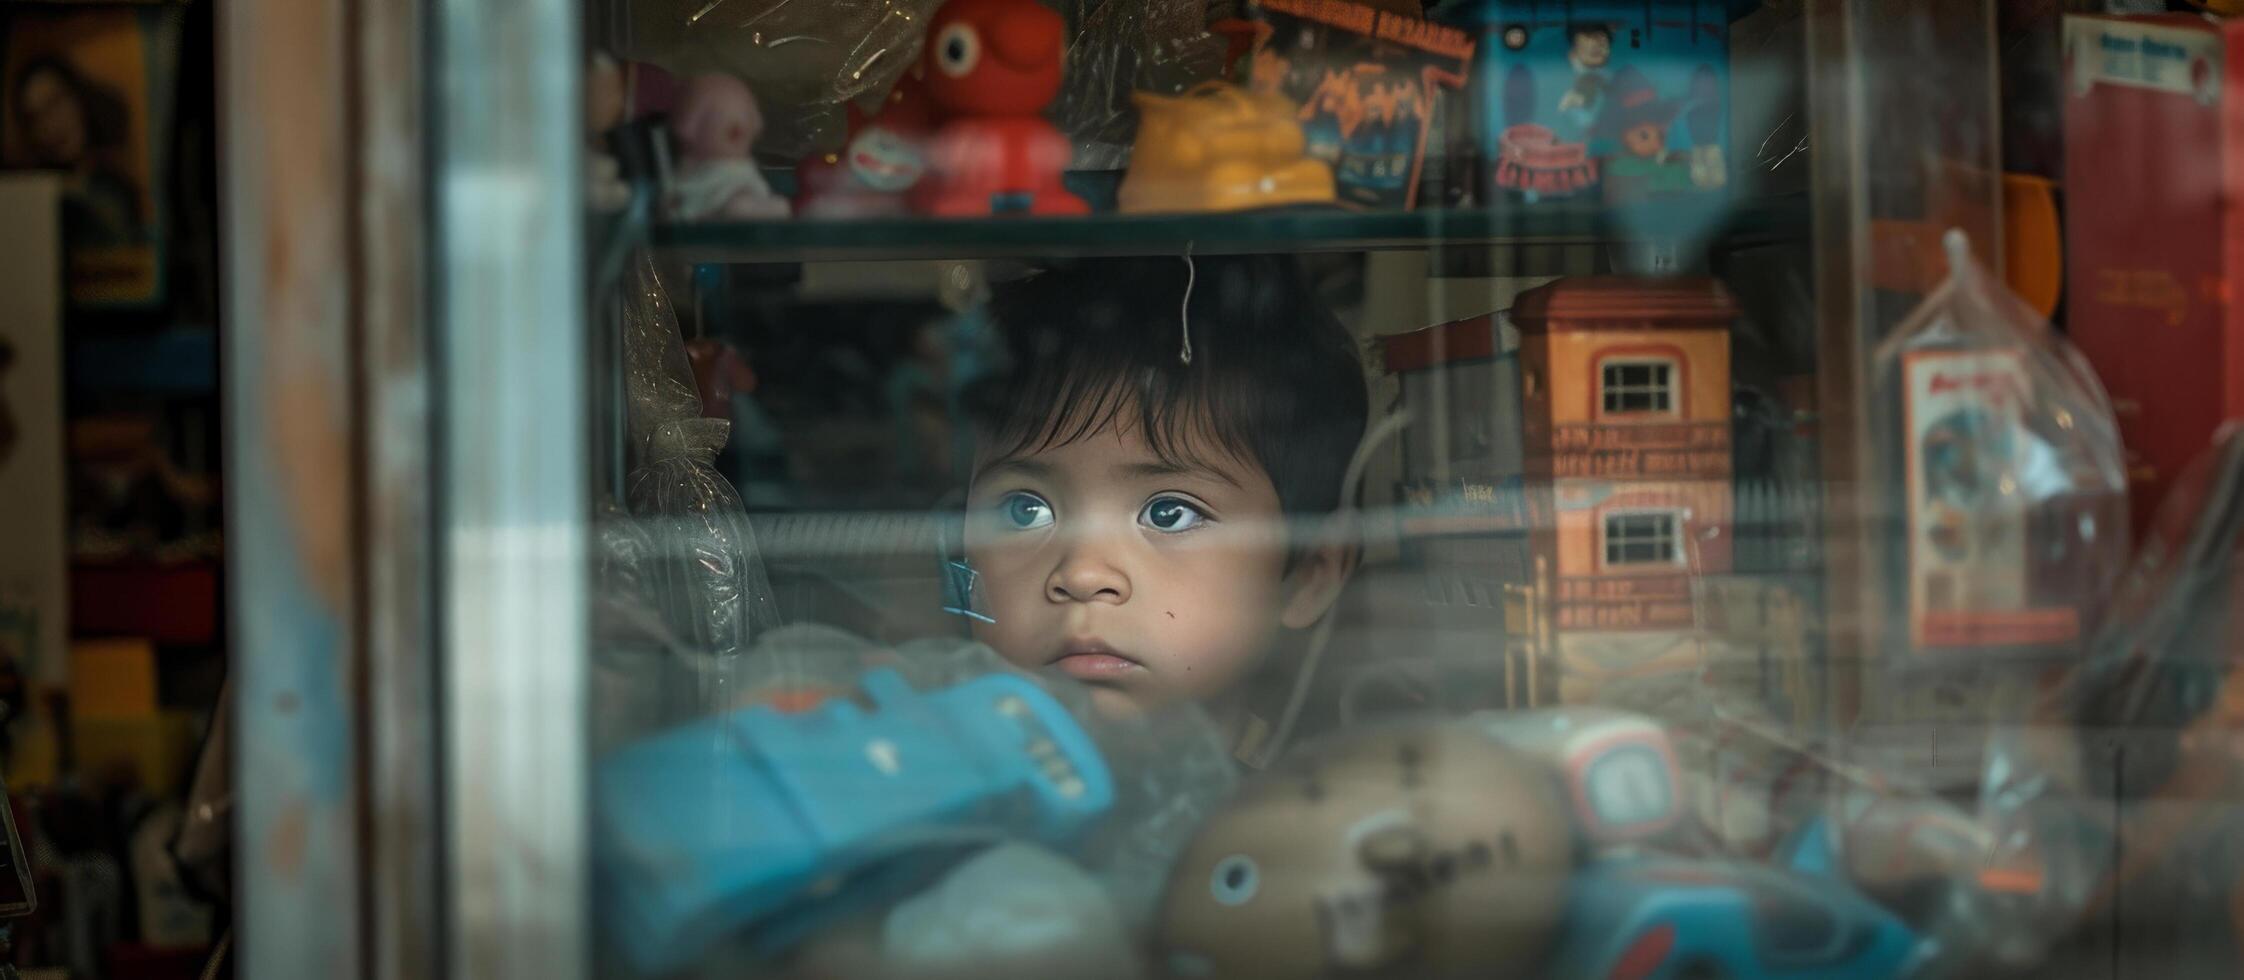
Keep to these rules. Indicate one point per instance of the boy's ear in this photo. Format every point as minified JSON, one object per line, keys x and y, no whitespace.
{"x":1320,"y":572}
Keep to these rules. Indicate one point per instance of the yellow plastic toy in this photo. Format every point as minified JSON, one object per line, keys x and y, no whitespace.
{"x":1220,"y":147}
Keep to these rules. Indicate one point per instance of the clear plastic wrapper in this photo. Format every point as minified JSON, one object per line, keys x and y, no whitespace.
{"x":807,"y":61}
{"x":705,"y":572}
{"x":2002,"y":452}
{"x":1118,"y":47}
{"x":804,"y":60}
{"x":2128,"y":771}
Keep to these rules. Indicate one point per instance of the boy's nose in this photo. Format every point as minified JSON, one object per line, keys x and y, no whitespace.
{"x":1086,"y":575}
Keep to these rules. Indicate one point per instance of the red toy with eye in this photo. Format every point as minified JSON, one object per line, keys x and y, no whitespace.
{"x":991,"y":66}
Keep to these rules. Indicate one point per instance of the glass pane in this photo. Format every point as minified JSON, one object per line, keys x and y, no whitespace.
{"x":1316,"y":488}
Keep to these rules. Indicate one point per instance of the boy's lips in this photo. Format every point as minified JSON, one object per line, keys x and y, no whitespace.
{"x":1094,"y":660}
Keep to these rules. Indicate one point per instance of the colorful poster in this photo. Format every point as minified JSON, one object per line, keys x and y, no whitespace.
{"x":1369,"y":84}
{"x":89,"y":96}
{"x":1602,"y":99}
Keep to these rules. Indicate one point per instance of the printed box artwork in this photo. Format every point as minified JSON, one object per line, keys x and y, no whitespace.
{"x":1370,"y":85}
{"x":1971,"y":583}
{"x":1601,"y":100}
{"x":2154,"y":231}
{"x":89,"y":95}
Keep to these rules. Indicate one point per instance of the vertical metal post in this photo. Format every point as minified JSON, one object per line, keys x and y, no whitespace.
{"x":512,"y":491}
{"x":292,"y":486}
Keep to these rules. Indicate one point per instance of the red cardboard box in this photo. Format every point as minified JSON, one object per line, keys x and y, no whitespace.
{"x":2154,"y":230}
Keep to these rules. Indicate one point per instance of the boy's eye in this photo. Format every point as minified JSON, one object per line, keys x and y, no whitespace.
{"x":1171,"y":514}
{"x":1024,"y":511}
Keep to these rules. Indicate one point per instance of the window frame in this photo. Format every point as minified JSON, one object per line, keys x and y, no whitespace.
{"x":1672,"y":389}
{"x":1678,"y":519}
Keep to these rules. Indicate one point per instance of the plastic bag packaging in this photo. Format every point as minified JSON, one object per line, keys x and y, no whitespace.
{"x":2002,"y":448}
{"x":705,"y":575}
{"x":1117,"y":47}
{"x":807,"y":61}
{"x":804,"y":60}
{"x":2127,"y":772}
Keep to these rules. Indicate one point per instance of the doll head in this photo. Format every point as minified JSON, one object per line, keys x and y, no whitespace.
{"x":716,"y":119}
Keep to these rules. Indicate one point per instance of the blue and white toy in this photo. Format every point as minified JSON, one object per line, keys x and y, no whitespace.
{"x":762,"y":826}
{"x":1679,"y":919}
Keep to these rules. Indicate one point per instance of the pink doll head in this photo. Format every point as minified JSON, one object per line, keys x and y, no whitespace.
{"x":716,"y":119}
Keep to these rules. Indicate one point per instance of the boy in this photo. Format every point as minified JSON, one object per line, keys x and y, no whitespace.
{"x":1152,"y":515}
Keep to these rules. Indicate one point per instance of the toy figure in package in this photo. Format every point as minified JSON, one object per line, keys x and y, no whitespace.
{"x":1369,"y":85}
{"x":1602,"y":100}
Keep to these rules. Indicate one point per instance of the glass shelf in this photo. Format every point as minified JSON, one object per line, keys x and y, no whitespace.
{"x":1293,"y":230}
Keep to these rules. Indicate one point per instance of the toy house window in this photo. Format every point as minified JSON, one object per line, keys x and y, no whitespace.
{"x":1637,"y":387}
{"x":1644,"y":538}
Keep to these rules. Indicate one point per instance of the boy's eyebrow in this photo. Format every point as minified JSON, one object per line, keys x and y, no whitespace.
{"x":1157,"y":469}
{"x":1024,"y":466}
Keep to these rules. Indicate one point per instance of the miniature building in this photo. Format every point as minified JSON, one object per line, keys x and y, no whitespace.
{"x":1625,"y":397}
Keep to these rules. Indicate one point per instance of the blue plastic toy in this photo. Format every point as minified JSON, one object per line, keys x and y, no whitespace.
{"x":1676,"y":919}
{"x":760,"y":826}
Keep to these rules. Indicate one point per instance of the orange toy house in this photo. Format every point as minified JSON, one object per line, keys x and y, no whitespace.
{"x":1625,"y":391}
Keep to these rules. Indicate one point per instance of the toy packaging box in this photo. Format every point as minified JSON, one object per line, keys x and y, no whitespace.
{"x":1601,"y":100}
{"x":2154,"y":236}
{"x":1370,"y":85}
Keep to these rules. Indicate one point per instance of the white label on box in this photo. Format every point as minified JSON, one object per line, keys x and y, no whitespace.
{"x":2183,"y":61}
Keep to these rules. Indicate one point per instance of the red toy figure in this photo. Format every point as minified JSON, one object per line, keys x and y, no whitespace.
{"x":884,"y":157}
{"x":991,"y":66}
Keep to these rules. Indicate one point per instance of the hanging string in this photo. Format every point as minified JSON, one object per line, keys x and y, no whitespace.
{"x":1184,"y":309}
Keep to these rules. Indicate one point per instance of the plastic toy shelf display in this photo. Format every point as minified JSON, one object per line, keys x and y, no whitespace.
{"x":1332,"y":125}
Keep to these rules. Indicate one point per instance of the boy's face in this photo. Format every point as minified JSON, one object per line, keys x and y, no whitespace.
{"x":1151,"y":583}
{"x":1593,"y":49}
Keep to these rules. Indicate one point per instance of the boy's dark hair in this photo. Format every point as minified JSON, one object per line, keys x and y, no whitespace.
{"x":1576,"y":32}
{"x":1274,"y":378}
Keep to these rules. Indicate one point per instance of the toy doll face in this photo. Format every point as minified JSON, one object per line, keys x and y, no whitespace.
{"x":1645,"y":139}
{"x":1150,"y":579}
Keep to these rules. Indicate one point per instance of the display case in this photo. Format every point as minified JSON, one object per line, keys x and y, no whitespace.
{"x":1288,"y":489}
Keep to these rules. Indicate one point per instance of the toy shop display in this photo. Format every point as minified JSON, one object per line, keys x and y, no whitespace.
{"x":2004,"y":456}
{"x":2154,"y":163}
{"x":1604,"y":100}
{"x":1370,"y":84}
{"x":1220,"y":148}
{"x":990,"y":68}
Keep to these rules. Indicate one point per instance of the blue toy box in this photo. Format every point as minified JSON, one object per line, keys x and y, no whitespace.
{"x":1613,"y":101}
